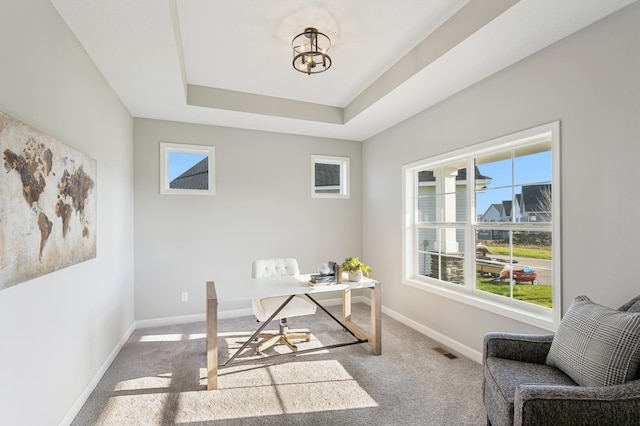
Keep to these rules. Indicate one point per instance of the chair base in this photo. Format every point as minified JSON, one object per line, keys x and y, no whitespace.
{"x":282,"y":337}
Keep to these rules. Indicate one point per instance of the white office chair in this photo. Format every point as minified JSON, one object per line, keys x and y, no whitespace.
{"x":264,"y":308}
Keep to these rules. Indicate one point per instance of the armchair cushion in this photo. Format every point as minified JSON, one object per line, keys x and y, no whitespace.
{"x":503,"y":377}
{"x":577,"y":405}
{"x":596,"y":345}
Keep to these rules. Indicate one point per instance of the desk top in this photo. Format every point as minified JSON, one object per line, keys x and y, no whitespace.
{"x":257,"y":288}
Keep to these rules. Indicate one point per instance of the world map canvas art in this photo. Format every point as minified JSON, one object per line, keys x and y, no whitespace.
{"x":47,"y":204}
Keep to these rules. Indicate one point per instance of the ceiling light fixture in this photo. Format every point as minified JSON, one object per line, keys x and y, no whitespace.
{"x":310,"y":52}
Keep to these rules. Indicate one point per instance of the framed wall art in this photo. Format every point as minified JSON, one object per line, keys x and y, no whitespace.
{"x":47,"y":204}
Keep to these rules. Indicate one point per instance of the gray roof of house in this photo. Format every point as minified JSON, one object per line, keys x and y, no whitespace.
{"x":506,"y":205}
{"x":197,"y":177}
{"x":327,"y":174}
{"x":534,"y":197}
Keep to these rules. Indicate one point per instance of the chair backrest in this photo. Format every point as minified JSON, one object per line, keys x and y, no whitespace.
{"x":266,"y":268}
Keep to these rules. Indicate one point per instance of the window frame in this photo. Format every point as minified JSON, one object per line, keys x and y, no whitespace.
{"x":345,"y":170}
{"x":166,"y":149}
{"x":546,"y":318}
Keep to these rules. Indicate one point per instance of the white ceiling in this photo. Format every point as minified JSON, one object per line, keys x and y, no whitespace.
{"x":228,"y":63}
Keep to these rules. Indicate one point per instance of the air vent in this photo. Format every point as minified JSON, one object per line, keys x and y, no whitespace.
{"x":445,"y":352}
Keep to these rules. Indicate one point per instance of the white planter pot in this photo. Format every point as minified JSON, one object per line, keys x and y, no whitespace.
{"x":355,"y":276}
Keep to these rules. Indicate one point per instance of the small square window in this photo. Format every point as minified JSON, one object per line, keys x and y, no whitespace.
{"x":187,"y":169}
{"x":329,"y":177}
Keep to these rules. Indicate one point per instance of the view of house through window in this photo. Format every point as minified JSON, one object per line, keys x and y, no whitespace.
{"x":513,"y":234}
{"x":488,"y":233}
{"x":329,"y":176}
{"x":186,"y":169}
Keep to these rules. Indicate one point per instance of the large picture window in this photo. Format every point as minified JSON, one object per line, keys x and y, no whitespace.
{"x":489,"y":237}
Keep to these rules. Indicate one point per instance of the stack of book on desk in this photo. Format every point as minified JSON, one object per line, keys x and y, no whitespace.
{"x":322,"y":279}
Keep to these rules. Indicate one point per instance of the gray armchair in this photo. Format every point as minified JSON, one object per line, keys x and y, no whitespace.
{"x":519,"y":388}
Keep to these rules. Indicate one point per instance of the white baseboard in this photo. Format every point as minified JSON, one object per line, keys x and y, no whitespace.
{"x":159,"y":322}
{"x":447,"y":341}
{"x":82,"y":399}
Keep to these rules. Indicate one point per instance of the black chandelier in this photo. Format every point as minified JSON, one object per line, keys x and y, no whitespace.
{"x":310,"y":52}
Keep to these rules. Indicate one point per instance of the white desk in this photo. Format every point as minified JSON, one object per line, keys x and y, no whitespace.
{"x":287,"y":286}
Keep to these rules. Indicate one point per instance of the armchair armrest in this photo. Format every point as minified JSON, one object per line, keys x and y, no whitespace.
{"x":544,"y":404}
{"x":519,"y":347}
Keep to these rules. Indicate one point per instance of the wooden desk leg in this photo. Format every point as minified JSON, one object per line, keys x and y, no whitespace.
{"x":375,"y":340}
{"x":346,"y":306}
{"x":375,"y":336}
{"x":212,"y":336}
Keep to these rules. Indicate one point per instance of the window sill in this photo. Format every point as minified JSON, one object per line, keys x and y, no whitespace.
{"x":539,"y":319}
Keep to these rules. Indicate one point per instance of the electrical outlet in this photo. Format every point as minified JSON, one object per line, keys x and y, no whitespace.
{"x":185,"y":296}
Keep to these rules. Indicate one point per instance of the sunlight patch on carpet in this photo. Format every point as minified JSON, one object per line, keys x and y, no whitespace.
{"x":295,"y":387}
{"x":161,"y":338}
{"x":147,"y":382}
{"x":147,"y":409}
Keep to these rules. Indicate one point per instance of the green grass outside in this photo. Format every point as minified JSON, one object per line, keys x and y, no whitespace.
{"x":528,"y":252}
{"x":538,"y":294}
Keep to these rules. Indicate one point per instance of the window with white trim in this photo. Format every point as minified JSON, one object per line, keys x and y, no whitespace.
{"x":489,"y":237}
{"x":187,"y":169}
{"x":329,"y":176}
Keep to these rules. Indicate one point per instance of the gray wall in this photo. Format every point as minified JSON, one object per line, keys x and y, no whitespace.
{"x":262,"y":208}
{"x":591,"y":82}
{"x":59,"y":329}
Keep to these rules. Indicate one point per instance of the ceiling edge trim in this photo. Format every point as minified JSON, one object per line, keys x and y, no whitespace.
{"x":212,"y":97}
{"x":468,"y":20}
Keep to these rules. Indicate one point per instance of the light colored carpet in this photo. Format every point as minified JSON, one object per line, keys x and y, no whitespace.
{"x":159,"y":378}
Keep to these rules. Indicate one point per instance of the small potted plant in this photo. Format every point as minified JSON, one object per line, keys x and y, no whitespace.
{"x":355,"y":268}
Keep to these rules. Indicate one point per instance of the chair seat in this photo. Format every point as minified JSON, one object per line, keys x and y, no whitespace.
{"x":504,"y":376}
{"x":298,"y":306}
{"x":263,"y":308}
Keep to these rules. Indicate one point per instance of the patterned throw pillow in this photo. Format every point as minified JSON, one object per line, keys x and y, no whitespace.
{"x":596,"y":345}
